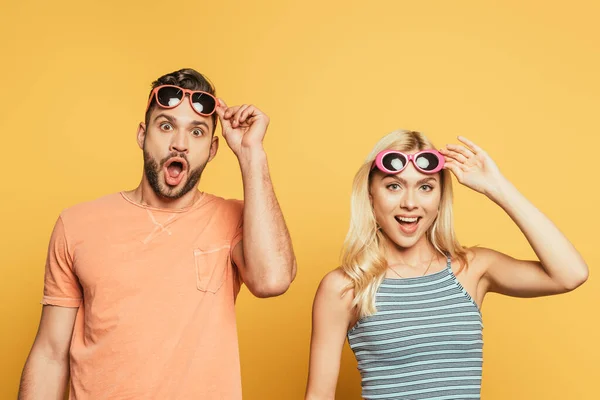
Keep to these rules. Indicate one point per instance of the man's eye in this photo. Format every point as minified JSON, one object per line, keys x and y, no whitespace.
{"x":165,"y":126}
{"x":197,"y":132}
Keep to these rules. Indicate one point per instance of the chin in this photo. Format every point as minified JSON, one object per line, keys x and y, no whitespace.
{"x":170,"y":192}
{"x":403,"y":241}
{"x":406,"y":244}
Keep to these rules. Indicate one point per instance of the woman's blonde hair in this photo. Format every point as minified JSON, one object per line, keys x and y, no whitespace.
{"x":363,"y":256}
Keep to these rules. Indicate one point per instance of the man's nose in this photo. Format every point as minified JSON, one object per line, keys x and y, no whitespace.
{"x":179,"y":143}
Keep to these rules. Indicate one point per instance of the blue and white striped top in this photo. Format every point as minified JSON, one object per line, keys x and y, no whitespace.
{"x":424,"y":342}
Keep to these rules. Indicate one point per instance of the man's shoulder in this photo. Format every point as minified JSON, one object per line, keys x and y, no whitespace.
{"x":222,"y":204}
{"x":93,"y":208}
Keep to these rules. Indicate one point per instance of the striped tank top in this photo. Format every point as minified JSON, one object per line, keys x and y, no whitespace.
{"x":424,"y":342}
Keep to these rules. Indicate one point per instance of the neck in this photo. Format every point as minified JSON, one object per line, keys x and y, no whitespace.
{"x":420,"y":253}
{"x":145,"y":195}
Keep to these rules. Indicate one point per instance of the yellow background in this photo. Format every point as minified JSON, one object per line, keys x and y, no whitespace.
{"x":520,"y":78}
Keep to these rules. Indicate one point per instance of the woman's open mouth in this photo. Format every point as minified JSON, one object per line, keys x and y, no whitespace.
{"x":408,"y":225}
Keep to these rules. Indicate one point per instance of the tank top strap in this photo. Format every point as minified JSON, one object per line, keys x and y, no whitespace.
{"x":448,"y":260}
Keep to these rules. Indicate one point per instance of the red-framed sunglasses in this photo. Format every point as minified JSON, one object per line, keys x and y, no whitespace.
{"x":170,"y":96}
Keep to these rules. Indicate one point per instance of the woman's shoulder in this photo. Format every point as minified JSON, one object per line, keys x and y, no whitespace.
{"x":480,"y":258}
{"x":336,"y":277}
{"x":334,"y":298}
{"x":337,"y":282}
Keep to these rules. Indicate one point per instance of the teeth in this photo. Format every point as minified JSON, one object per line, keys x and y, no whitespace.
{"x":404,"y":219}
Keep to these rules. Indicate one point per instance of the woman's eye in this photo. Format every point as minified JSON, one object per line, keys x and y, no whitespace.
{"x":427,"y":188}
{"x":393,"y":186}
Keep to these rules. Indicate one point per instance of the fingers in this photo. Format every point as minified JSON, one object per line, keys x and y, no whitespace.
{"x":247,"y":113}
{"x":221,"y":104}
{"x":236,"y":116}
{"x":230,"y":111}
{"x":239,"y":118}
{"x":225,"y":115}
{"x":473,"y":147}
{"x":452,"y":166}
{"x":460,"y":149}
{"x":243,"y":115}
{"x":220,"y":108}
{"x":452,"y":154}
{"x":253,"y":119}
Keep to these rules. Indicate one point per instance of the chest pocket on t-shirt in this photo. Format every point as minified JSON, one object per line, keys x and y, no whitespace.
{"x":211,"y":267}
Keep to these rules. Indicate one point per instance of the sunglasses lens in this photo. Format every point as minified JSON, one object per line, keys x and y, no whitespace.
{"x":203,"y":103}
{"x":393,"y":161}
{"x":427,"y":161}
{"x":169,"y":96}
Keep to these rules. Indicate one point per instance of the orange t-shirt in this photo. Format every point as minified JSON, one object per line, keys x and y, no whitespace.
{"x":156,"y":291}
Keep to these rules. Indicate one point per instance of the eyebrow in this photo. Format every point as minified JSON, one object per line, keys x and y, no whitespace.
{"x":173,"y":120}
{"x":419,"y":182}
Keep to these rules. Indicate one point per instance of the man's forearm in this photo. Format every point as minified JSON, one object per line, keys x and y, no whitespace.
{"x":44,"y":378}
{"x":268,"y":252}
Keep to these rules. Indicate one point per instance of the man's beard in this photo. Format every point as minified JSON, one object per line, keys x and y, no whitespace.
{"x":152,"y":170}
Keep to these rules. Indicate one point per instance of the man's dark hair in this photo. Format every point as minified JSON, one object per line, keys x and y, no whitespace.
{"x":186,"y":78}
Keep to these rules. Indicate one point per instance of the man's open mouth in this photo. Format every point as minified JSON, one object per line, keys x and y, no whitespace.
{"x":174,"y":171}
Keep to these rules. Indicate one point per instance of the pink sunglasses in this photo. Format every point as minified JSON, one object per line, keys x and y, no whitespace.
{"x":169,"y":96}
{"x":392,"y":161}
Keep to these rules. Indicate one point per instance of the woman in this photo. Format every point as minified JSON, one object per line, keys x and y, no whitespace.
{"x":407,"y":294}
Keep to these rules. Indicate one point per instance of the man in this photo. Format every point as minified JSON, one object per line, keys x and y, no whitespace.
{"x":140,"y":286}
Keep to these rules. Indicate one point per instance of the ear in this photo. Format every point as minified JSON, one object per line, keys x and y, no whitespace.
{"x":141,"y":135}
{"x":214,"y":146}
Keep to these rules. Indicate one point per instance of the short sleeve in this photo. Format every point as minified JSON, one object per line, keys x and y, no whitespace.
{"x":61,"y":286}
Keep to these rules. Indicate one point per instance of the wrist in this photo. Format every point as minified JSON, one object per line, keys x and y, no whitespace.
{"x":252,"y":156}
{"x":501,"y":191}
